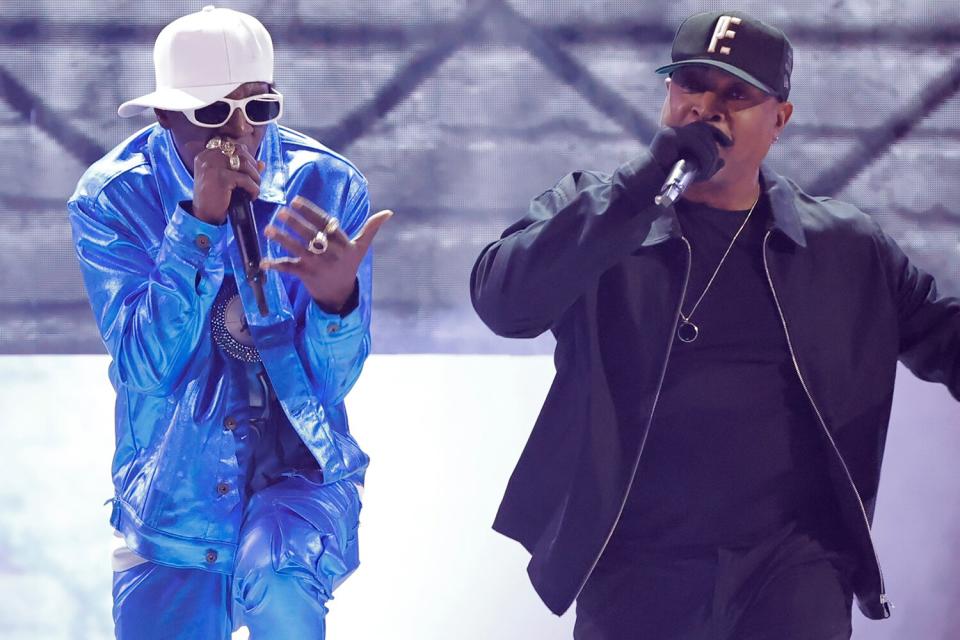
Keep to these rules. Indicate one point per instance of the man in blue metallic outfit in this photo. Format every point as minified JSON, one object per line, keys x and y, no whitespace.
{"x":236,"y":478}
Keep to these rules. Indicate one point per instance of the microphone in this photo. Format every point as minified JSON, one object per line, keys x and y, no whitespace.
{"x":244,"y":226}
{"x":684,"y":172}
{"x":689,"y":140}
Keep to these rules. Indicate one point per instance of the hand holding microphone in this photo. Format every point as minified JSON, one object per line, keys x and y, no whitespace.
{"x":220,"y":169}
{"x":690,"y":153}
{"x":226,"y":180}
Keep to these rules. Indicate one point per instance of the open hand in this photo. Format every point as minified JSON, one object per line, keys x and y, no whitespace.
{"x":321,"y":254}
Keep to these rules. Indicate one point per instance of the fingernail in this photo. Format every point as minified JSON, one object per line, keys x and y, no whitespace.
{"x":261,"y":165}
{"x":284,"y":214}
{"x":298,"y":200}
{"x":270,"y":232}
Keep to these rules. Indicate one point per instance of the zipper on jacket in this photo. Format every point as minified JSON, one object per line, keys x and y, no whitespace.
{"x":884,"y":601}
{"x":656,"y":398}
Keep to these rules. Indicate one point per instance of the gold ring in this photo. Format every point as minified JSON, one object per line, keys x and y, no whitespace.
{"x":319,"y":244}
{"x":214,"y":142}
{"x":234,"y":162}
{"x":229,"y":147}
{"x":332,"y":226}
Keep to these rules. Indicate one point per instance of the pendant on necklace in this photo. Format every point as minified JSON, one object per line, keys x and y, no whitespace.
{"x":687,"y":331}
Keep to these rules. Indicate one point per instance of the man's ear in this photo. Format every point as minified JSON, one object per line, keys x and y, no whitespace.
{"x":784,"y":111}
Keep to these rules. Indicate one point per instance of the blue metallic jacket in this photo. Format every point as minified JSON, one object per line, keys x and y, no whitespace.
{"x":152,"y":272}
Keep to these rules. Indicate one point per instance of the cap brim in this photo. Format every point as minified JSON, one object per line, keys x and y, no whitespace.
{"x":729,"y":68}
{"x":176,"y":99}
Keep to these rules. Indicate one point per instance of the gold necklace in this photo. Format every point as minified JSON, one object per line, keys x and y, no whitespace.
{"x":687,"y":331}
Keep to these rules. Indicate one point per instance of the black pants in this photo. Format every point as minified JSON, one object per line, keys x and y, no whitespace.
{"x":787,"y":588}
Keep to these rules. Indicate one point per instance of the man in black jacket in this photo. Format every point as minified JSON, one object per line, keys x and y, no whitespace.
{"x":706,"y":462}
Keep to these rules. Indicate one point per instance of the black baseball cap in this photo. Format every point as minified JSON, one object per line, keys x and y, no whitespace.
{"x":739,"y":44}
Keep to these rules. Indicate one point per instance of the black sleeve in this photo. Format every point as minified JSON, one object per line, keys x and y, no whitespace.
{"x":522,"y":283}
{"x":929,"y":323}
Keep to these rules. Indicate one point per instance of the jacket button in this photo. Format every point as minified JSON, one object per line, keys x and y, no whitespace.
{"x":223,"y":488}
{"x":211,"y":556}
{"x":332,"y":328}
{"x":230,"y":423}
{"x":203,"y":242}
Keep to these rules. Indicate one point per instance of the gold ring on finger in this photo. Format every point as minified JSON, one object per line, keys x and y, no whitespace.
{"x":318,"y":245}
{"x":332,"y":225}
{"x":229,"y":147}
{"x":235,"y":163}
{"x":214,"y":143}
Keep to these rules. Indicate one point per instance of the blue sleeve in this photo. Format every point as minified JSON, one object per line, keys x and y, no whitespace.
{"x":333,"y":347}
{"x":151,"y":311}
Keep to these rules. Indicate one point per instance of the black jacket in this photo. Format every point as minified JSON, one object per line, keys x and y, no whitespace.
{"x":603,"y":268}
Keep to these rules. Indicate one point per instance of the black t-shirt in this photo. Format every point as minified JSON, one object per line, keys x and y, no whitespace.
{"x":734,"y":451}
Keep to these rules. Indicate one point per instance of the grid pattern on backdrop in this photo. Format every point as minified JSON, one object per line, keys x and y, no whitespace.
{"x":459,"y":112}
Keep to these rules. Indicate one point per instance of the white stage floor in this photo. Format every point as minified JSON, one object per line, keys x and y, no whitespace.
{"x":443,"y":433}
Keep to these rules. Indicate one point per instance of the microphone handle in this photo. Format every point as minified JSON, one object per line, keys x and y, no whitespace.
{"x":245,"y":231}
{"x":679,"y":178}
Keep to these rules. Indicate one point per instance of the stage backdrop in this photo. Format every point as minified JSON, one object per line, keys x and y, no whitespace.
{"x":458,"y":112}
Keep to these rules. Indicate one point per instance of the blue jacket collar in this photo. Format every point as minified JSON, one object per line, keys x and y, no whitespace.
{"x":175,"y":181}
{"x":785,"y":217}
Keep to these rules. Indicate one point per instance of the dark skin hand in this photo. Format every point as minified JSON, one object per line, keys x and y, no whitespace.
{"x":330,"y":278}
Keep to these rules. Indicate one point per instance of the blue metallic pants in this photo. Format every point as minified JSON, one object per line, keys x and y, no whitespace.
{"x":297,"y":544}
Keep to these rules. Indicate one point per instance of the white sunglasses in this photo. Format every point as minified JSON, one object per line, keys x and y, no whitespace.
{"x":259,"y":109}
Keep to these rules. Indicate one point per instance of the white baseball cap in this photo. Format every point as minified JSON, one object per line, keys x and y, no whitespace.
{"x":204,"y":56}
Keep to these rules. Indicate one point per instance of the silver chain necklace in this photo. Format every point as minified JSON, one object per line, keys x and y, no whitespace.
{"x":687,"y":331}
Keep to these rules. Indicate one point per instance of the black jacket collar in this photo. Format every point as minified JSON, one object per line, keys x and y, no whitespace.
{"x":785,"y":218}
